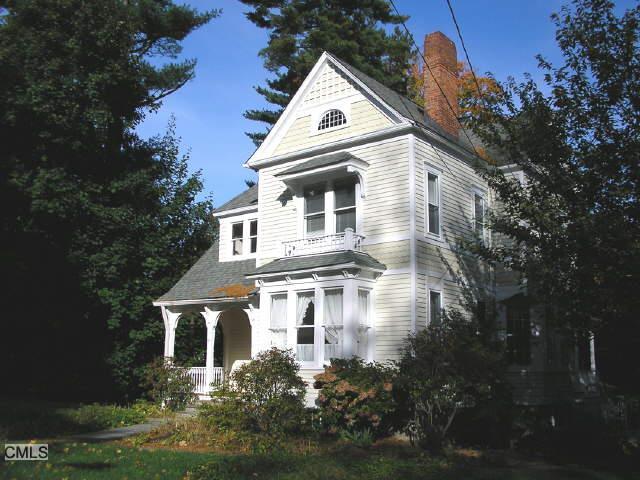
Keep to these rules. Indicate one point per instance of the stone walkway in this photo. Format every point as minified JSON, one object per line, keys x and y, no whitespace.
{"x":117,"y":433}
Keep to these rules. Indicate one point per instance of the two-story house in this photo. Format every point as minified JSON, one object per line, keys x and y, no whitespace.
{"x":348,"y":242}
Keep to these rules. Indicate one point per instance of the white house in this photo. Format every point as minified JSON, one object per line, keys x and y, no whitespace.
{"x":348,"y":241}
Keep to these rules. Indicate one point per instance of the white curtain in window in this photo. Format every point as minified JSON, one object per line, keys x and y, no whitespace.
{"x":305,"y":321}
{"x":278,"y":321}
{"x":333,"y":331}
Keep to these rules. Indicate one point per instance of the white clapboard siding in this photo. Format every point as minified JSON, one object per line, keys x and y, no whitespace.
{"x":365,"y":118}
{"x":438,"y":264}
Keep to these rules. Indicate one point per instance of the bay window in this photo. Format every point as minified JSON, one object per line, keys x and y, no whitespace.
{"x":433,"y":203}
{"x":305,"y":325}
{"x":278,"y":320}
{"x":333,"y":323}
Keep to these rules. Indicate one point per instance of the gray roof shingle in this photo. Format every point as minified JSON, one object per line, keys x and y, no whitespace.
{"x":308,"y":262}
{"x":207,"y":277}
{"x":317,"y":162}
{"x":246,"y":199}
{"x":415,"y":112}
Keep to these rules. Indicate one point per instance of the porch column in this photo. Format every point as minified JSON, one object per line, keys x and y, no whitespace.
{"x":170,"y":323}
{"x":252,"y":315}
{"x":211,"y":318}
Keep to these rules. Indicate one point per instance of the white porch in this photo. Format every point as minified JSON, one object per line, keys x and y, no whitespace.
{"x":236,"y":323}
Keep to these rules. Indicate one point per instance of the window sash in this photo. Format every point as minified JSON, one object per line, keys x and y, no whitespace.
{"x":332,"y":118}
{"x":253,"y":236}
{"x":433,"y":203}
{"x":435,"y":307}
{"x":518,"y":335}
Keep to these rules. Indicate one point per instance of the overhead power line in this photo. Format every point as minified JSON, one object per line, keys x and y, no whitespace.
{"x":428,"y":67}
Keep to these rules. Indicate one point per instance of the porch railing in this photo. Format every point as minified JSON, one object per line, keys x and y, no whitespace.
{"x":199,"y":377}
{"x":349,"y":240}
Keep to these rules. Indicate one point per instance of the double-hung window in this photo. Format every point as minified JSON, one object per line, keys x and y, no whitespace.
{"x":314,"y":212}
{"x":237,"y":237}
{"x":278,"y":320}
{"x":253,"y":236}
{"x":364,"y":312}
{"x":345,"y":206}
{"x":333,"y":323}
{"x":479,"y":213}
{"x":435,"y":307}
{"x":518,"y":334}
{"x":433,"y":203}
{"x":305,"y":325}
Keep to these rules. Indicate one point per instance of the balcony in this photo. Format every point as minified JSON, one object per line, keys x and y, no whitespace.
{"x":349,"y":240}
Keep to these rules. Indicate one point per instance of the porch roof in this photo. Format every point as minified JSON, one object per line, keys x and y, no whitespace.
{"x":348,"y":258}
{"x":209,"y":278}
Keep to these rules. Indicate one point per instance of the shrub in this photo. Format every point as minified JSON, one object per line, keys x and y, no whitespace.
{"x":357,"y":397}
{"x":269,"y":392}
{"x":168,"y":385}
{"x":444,"y":368}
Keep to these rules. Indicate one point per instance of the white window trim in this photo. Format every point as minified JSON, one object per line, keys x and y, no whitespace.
{"x":318,"y":112}
{"x":226,"y":238}
{"x":438,"y":291}
{"x":286,"y":323}
{"x":430,"y":170}
{"x":316,"y":214}
{"x":250,"y":237}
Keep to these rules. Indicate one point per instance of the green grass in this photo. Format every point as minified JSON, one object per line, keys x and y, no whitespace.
{"x":106,"y":461}
{"x":22,"y":419}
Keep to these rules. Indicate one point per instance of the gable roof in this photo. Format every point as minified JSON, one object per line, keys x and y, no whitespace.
{"x":309,"y":262}
{"x":247,"y":198}
{"x":208,"y":277}
{"x":397,"y":104}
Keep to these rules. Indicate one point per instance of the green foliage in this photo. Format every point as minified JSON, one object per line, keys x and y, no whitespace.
{"x":359,"y":438}
{"x":356,"y":397}
{"x":356,"y":31}
{"x":575,"y":223}
{"x":168,"y":385}
{"x":269,"y":392}
{"x":444,"y":368}
{"x":105,"y":221}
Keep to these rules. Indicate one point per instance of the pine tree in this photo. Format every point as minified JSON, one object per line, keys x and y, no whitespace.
{"x":96,"y":221}
{"x":356,"y":31}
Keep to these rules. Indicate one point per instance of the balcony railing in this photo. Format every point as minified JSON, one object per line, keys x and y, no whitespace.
{"x":349,"y":240}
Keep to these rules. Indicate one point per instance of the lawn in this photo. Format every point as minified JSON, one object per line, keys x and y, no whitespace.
{"x":106,"y":461}
{"x":26,"y":419}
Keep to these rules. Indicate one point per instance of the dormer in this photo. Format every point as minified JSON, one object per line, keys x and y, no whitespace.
{"x":239,"y":226}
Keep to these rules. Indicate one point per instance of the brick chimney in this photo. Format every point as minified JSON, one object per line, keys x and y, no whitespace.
{"x":440,"y":53}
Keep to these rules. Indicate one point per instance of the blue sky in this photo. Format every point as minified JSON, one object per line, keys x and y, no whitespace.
{"x":502,"y":36}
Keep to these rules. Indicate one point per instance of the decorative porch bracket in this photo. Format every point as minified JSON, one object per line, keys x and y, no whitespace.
{"x":170,"y":323}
